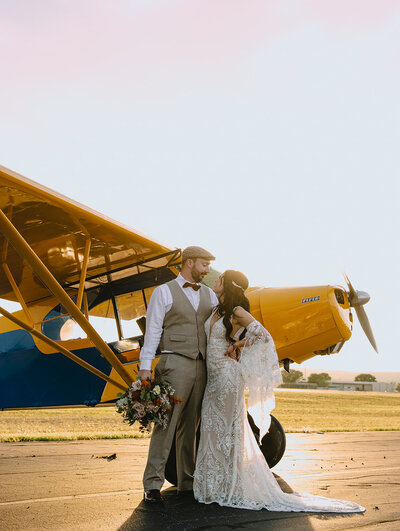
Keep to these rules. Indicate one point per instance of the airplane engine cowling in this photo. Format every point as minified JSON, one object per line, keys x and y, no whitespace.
{"x":303,"y":321}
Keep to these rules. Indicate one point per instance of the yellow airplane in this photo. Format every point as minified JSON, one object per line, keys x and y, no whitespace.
{"x":73,"y":269}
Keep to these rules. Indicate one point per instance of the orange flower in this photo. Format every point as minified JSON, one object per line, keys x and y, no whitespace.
{"x":175,"y":400}
{"x":146,"y":383}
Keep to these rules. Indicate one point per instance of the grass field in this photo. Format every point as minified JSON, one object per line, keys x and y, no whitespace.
{"x":299,"y":411}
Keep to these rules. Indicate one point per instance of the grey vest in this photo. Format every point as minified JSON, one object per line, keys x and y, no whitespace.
{"x":183,"y":330}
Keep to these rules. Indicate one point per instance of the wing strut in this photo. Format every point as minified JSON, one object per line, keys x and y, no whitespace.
{"x":13,"y":284}
{"x":18,"y":294}
{"x":24,"y":249}
{"x":83,"y":273}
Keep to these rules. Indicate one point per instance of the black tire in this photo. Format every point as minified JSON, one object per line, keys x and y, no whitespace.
{"x":273,"y":446}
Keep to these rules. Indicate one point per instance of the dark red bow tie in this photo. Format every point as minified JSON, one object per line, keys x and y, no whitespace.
{"x":196,"y":287}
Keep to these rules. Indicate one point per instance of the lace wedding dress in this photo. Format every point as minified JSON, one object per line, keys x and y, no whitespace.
{"x":230,"y":468}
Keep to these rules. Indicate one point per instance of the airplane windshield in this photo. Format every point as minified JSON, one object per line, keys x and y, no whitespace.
{"x":114,"y":318}
{"x":59,"y":325}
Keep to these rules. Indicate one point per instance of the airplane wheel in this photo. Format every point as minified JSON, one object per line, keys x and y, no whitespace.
{"x":273,"y":444}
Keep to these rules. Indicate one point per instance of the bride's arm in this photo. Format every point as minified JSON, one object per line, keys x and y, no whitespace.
{"x":242,"y":317}
{"x":255,"y":332}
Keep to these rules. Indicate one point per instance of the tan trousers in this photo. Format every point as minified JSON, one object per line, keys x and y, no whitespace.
{"x":188,"y":377}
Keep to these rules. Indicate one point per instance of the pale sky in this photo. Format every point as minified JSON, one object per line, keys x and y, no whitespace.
{"x":265,"y":131}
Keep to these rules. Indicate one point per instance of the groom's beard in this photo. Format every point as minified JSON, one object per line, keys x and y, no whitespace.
{"x":197,"y":276}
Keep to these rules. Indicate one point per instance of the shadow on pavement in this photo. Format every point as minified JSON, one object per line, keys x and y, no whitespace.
{"x":178,"y":513}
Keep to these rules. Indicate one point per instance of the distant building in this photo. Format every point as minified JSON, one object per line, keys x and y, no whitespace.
{"x":378,"y":387}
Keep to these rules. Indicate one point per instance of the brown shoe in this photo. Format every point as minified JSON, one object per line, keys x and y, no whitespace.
{"x":153,"y":495}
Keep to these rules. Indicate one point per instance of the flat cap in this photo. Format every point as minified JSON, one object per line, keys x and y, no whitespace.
{"x":196,"y":252}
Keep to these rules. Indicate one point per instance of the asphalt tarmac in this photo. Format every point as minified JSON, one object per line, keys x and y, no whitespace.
{"x":96,"y":485}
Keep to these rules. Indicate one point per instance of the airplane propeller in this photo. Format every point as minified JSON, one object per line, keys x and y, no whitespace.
{"x":357,"y":300}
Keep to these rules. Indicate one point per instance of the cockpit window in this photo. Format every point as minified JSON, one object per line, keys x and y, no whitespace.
{"x":59,"y":325}
{"x":114,"y":318}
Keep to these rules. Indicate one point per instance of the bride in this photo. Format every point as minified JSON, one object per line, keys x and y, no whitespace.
{"x":230,"y":468}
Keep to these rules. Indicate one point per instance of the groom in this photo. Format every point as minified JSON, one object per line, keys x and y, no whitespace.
{"x":175,"y":320}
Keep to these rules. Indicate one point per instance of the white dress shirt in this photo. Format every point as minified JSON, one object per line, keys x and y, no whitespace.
{"x":160,"y":303}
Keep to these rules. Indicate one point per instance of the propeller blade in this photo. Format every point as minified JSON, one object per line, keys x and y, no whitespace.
{"x":357,"y":299}
{"x":364,"y":322}
{"x":353,"y":299}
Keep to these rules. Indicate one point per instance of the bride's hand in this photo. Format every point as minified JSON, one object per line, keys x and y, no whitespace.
{"x":233,"y":351}
{"x":238,"y":349}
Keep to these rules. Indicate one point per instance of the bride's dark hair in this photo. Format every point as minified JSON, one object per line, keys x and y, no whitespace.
{"x":235,"y":284}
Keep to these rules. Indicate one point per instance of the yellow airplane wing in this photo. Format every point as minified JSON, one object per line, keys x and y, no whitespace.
{"x":68,"y":237}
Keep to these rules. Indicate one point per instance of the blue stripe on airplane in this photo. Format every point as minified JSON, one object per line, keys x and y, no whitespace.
{"x":29,"y":378}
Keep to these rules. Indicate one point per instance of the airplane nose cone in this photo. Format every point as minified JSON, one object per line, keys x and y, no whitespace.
{"x":362,"y":297}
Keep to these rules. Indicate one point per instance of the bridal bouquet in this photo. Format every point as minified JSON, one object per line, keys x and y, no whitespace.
{"x":147,"y":402}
